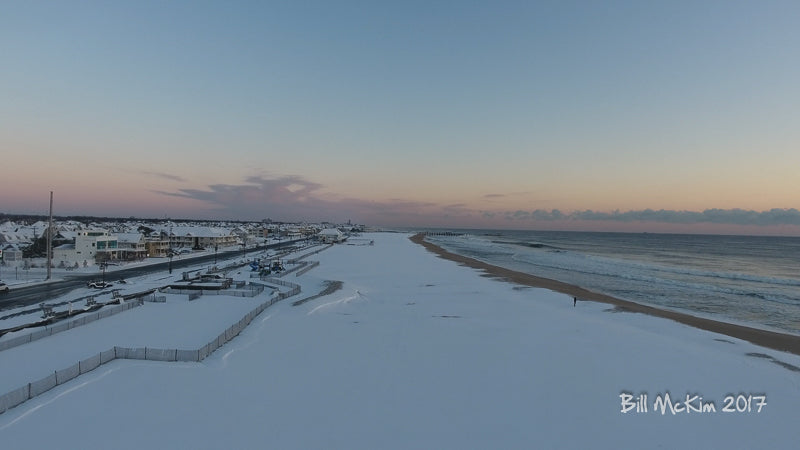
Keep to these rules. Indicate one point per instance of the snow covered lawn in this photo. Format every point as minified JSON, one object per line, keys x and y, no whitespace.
{"x":413,"y":352}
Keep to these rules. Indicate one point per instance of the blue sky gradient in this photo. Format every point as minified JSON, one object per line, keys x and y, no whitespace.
{"x":403,"y":113}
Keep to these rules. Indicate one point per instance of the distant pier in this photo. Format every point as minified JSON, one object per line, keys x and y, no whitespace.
{"x":442,"y":233}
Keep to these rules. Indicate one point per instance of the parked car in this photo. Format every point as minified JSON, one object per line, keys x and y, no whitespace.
{"x":3,"y":287}
{"x":98,"y":284}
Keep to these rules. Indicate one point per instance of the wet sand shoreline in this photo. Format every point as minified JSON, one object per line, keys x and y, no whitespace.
{"x":764,"y":338}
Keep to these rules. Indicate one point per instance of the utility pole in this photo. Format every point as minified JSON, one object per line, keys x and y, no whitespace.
{"x":50,"y":239}
{"x":171,"y":253}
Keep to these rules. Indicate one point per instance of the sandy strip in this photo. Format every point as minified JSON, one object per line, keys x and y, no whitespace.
{"x":769,"y":339}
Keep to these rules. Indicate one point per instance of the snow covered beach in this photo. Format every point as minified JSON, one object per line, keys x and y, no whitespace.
{"x":772,"y":339}
{"x":415,"y":351}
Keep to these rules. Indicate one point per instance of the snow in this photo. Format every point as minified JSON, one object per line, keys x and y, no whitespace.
{"x":413,"y":352}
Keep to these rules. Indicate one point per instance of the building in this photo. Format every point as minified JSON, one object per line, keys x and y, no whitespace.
{"x":11,"y":255}
{"x":156,"y":247}
{"x":132,"y":246}
{"x":89,"y":247}
{"x":199,"y":237}
{"x":331,"y":236}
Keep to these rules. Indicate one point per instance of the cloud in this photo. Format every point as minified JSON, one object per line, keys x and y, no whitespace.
{"x":258,"y":197}
{"x":295,"y":198}
{"x":507,"y":195}
{"x":166,"y":176}
{"x":518,"y":215}
{"x":544,"y":215}
{"x":775,"y":216}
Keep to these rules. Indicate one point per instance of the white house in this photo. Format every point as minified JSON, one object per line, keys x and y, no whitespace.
{"x":331,"y":235}
{"x":11,"y":254}
{"x":90,"y":246}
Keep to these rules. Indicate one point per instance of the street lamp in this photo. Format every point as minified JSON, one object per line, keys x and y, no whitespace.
{"x":215,"y":254}
{"x":103,"y":267}
{"x":170,"y":262}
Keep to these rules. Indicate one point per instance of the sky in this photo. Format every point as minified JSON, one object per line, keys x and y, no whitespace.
{"x":673,"y":116}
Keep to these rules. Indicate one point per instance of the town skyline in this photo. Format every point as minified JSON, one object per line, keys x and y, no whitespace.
{"x":763,"y":227}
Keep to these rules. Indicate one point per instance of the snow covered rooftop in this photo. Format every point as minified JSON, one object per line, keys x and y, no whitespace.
{"x":197,"y":231}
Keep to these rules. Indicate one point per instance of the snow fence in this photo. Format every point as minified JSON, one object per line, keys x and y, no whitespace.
{"x":305,"y":269}
{"x":310,"y":253}
{"x":68,"y":325}
{"x":38,"y":387}
{"x":250,"y":290}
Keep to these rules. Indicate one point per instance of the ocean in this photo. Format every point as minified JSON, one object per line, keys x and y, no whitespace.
{"x":748,"y":280}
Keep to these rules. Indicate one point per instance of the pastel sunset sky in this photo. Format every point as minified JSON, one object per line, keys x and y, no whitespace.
{"x":679,"y":116}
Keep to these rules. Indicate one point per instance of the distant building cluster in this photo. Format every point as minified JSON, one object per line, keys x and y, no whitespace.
{"x":78,"y":244}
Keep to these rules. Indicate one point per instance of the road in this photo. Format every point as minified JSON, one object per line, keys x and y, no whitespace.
{"x":45,"y":292}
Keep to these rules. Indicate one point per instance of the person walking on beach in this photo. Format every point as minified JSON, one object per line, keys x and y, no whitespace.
{"x":574,"y":301}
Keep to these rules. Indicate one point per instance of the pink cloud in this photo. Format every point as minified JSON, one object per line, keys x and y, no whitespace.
{"x":295,"y":198}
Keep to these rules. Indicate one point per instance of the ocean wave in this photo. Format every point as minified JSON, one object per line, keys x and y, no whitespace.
{"x":662,"y":277}
{"x":528,"y":244}
{"x":602,"y":265}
